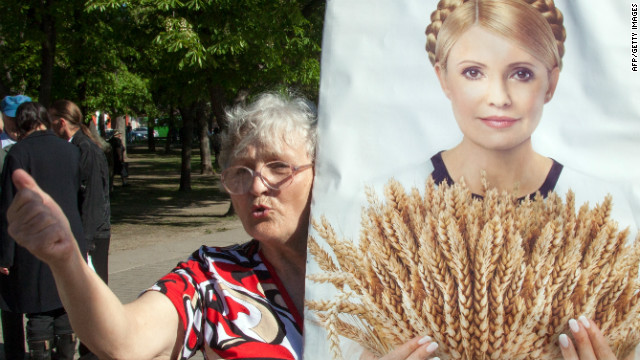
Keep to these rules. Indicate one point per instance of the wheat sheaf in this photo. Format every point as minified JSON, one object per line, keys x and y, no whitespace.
{"x":491,"y":278}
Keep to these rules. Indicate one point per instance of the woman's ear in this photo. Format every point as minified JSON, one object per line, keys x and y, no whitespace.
{"x":442,"y":73}
{"x":554,"y":76}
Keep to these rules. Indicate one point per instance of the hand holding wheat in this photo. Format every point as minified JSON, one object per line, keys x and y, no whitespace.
{"x":492,"y":278}
{"x":418,"y":348}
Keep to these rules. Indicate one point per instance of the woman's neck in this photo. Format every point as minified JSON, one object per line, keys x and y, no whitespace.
{"x":520,"y":168}
{"x":289,"y":262}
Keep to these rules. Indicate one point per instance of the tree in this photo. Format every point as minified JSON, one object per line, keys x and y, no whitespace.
{"x":151,"y":56}
{"x":218,"y":48}
{"x":46,"y":42}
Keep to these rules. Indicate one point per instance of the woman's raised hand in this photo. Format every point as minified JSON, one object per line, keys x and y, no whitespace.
{"x":37,"y":223}
{"x":418,"y":348}
{"x":588,"y":342}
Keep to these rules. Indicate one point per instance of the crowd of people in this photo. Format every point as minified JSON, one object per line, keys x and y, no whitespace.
{"x":57,"y":149}
{"x":246,"y":301}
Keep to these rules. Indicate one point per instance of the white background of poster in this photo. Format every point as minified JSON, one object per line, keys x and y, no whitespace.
{"x":382,"y":110}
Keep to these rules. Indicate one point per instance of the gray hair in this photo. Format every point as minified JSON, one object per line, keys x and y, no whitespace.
{"x":271,"y":120}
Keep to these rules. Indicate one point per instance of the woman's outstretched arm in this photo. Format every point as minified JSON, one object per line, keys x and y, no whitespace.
{"x":148,"y":327}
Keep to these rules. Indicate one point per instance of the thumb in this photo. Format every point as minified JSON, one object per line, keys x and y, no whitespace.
{"x":22,"y":180}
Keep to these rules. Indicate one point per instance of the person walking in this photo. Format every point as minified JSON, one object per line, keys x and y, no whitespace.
{"x":119,"y":165}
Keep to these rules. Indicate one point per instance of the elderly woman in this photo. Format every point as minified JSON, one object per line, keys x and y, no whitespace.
{"x":243,"y":301}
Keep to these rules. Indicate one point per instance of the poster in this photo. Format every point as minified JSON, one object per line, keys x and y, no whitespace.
{"x":382,"y":114}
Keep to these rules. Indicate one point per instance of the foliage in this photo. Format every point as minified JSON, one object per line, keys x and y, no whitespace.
{"x":243,"y":44}
{"x":118,"y":55}
{"x":92,"y":51}
{"x":148,"y":57}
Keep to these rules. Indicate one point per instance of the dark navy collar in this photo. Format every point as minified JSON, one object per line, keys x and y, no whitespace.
{"x":441,"y":174}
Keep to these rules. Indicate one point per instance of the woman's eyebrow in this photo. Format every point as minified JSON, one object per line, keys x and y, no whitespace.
{"x":521,"y":63}
{"x":470,"y":62}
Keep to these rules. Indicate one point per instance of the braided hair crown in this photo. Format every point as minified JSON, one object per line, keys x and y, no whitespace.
{"x":549,"y":24}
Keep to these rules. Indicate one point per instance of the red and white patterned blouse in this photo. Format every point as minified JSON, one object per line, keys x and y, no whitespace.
{"x":232,"y":305}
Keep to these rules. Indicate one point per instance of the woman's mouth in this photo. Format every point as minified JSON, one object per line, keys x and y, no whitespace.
{"x":259,"y":211}
{"x":499,"y":122}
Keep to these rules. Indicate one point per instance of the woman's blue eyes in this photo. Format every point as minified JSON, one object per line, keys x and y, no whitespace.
{"x":521,"y":74}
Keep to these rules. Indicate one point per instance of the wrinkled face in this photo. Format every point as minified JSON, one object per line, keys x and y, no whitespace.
{"x":497,"y":89}
{"x":275,"y":216}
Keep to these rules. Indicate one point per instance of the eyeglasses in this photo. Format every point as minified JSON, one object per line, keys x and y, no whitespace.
{"x":275,"y":175}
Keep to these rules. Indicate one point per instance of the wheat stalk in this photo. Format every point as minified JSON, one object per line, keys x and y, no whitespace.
{"x":490,"y":278}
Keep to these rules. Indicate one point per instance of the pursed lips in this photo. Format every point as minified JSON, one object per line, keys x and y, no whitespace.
{"x":260,"y":211}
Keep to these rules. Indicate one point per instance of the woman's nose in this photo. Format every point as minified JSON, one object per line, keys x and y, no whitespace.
{"x":257,"y":185}
{"x":498,"y":93}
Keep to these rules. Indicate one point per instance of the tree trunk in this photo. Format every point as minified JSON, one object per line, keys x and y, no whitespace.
{"x":47,"y":52}
{"x":205,"y":148}
{"x":120,"y":124}
{"x":82,"y":96}
{"x":218,"y":104}
{"x":186,"y":135}
{"x":80,"y":64}
{"x":170,"y":133}
{"x":216,"y":95}
{"x":310,"y":6}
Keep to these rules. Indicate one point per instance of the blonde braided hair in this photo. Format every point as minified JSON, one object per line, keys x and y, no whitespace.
{"x":487,"y":14}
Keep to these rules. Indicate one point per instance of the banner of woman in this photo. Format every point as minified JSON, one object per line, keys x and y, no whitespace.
{"x":449,"y":208}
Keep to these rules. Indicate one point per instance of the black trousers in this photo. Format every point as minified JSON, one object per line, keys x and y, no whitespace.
{"x":50,"y":333}
{"x":13,"y":335}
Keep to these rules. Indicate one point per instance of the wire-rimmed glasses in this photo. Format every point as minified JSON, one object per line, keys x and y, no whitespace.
{"x":275,"y":175}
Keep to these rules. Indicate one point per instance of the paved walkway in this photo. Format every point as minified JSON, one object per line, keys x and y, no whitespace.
{"x":132,"y":271}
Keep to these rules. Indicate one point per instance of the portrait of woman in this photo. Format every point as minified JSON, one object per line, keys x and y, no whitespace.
{"x":521,"y":94}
